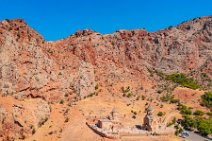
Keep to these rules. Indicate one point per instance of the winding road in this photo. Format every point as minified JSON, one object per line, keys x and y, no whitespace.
{"x":195,"y":137}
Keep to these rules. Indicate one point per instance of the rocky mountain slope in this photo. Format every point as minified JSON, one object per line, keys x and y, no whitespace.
{"x":71,"y":69}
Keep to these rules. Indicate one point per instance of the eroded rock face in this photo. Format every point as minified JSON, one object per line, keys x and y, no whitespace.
{"x":2,"y":115}
{"x":86,"y":79}
{"x":19,"y":120}
{"x":22,"y":61}
{"x":30,"y":67}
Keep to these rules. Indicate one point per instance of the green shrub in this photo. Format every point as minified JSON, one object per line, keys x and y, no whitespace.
{"x":129,"y":95}
{"x":176,"y":133}
{"x":123,"y":90}
{"x":166,"y":98}
{"x":66,"y":120}
{"x":207,"y":99}
{"x":160,"y":114}
{"x":126,"y":92}
{"x":174,"y":101}
{"x":33,"y":131}
{"x":188,"y":122}
{"x":134,"y":116}
{"x":183,"y":80}
{"x":42,"y":121}
{"x":205,"y":127}
{"x":92,"y":94}
{"x":134,"y":112}
{"x":204,"y":75}
{"x":143,"y":97}
{"x":97,"y":87}
{"x":199,"y":113}
{"x":50,"y":133}
{"x":209,"y":114}
{"x":61,"y":101}
{"x":172,"y":122}
{"x":185,"y":110}
{"x":178,"y":130}
{"x":66,"y":94}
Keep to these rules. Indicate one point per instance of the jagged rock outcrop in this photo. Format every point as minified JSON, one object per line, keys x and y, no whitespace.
{"x":86,"y":79}
{"x":2,"y":115}
{"x":31,"y":67}
{"x":19,"y":120}
{"x":22,"y":62}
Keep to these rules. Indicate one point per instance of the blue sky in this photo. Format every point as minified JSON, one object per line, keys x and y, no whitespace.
{"x":56,"y":19}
